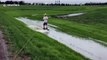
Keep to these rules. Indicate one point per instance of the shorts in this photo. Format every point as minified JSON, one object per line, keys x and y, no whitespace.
{"x":45,"y":23}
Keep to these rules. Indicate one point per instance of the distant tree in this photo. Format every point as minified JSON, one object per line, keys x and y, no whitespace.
{"x":33,"y":4}
{"x":96,"y":3}
{"x":16,"y":2}
{"x":21,"y":2}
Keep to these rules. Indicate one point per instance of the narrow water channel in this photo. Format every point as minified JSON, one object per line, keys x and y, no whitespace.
{"x":85,"y":47}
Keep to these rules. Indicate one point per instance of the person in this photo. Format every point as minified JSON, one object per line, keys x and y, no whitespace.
{"x":45,"y":23}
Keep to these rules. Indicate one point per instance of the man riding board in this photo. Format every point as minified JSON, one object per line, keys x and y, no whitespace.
{"x":45,"y":23}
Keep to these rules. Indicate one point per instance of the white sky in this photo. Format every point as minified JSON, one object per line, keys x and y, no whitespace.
{"x":62,"y":1}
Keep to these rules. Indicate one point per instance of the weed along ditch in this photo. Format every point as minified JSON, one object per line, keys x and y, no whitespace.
{"x":85,"y":47}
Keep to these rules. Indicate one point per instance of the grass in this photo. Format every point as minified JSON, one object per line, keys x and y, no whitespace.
{"x":82,"y":30}
{"x":40,"y":46}
{"x":92,"y":24}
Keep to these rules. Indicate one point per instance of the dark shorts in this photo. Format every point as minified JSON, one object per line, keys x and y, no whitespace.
{"x":45,"y":23}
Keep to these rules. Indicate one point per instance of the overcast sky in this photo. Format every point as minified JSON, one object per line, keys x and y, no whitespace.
{"x":62,"y":1}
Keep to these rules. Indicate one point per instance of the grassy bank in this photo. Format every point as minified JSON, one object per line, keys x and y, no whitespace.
{"x":40,"y":46}
{"x":92,"y":24}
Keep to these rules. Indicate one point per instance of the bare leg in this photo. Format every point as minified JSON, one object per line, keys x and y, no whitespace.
{"x":46,"y":27}
{"x":43,"y":26}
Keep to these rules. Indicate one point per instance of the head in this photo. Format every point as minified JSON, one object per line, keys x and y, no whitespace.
{"x":45,"y":14}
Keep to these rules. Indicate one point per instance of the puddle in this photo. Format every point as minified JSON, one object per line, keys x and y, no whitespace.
{"x":87,"y":48}
{"x":70,"y":15}
{"x":77,"y":14}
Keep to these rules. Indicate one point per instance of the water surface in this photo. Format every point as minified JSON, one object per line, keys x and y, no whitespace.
{"x":85,"y":47}
{"x":70,"y":15}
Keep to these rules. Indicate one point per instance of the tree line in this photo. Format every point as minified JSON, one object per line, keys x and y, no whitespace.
{"x":13,"y":2}
{"x":91,"y":3}
{"x":51,"y":4}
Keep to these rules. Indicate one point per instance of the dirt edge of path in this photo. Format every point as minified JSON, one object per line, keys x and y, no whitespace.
{"x":3,"y":48}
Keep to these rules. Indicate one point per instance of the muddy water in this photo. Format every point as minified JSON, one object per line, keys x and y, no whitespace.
{"x":87,"y":48}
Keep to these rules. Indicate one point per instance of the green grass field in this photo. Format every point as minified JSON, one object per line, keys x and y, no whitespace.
{"x":92,"y":24}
